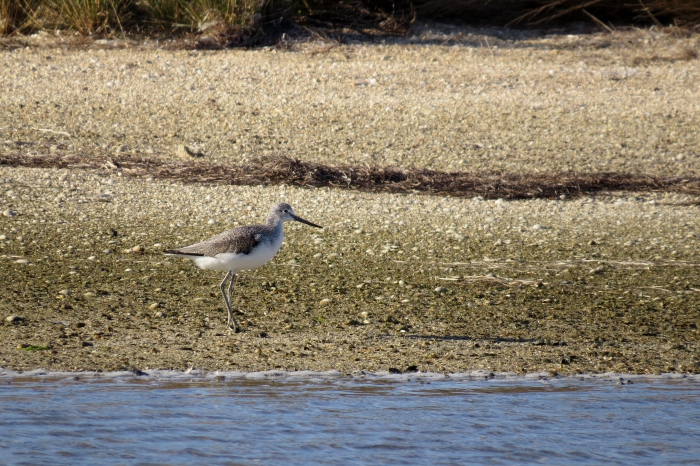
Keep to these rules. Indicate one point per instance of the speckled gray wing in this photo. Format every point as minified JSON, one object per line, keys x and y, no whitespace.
{"x":240,"y":240}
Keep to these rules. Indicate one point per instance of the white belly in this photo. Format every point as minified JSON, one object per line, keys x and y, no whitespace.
{"x":260,"y":255}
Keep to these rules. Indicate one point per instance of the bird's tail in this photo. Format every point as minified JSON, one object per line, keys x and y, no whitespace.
{"x":175,"y":252}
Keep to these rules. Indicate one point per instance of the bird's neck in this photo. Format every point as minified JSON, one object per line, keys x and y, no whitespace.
{"x":275,"y":222}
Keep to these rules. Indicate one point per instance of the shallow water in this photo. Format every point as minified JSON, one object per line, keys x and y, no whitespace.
{"x":274,"y":418}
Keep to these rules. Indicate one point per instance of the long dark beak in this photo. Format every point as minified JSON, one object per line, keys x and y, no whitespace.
{"x":299,"y":219}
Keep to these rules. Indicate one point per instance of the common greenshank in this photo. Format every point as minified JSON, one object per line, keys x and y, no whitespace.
{"x":243,"y":248}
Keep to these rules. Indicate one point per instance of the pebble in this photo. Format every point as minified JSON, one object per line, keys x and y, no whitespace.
{"x":89,"y":294}
{"x":23,"y":345}
{"x":137,"y":249}
{"x":14,"y":319}
{"x":9,"y":213}
{"x":185,"y":152}
{"x":440,"y":289}
{"x":3,"y":237}
{"x":211,"y":221}
{"x":318,"y":255}
{"x":21,"y":261}
{"x":154,"y":306}
{"x":64,"y":292}
{"x":325,"y":302}
{"x":538,"y":227}
{"x":92,"y":258}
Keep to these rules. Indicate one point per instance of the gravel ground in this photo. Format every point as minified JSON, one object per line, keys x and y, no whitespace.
{"x":446,"y":99}
{"x":442,"y":284}
{"x":608,"y":283}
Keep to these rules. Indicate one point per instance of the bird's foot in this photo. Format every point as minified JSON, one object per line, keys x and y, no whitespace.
{"x":234,"y":329}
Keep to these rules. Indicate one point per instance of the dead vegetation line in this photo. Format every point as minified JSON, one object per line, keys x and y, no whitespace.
{"x":278,"y":170}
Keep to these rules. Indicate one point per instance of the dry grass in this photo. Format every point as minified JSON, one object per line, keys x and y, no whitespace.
{"x":89,"y":17}
{"x":17,"y":15}
{"x":276,"y":170}
{"x":251,"y":19}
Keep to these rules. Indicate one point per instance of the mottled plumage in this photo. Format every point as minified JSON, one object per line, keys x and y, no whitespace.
{"x":242,"y":248}
{"x":240,"y":240}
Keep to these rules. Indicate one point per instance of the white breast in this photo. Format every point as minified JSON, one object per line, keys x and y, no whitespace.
{"x":260,"y":255}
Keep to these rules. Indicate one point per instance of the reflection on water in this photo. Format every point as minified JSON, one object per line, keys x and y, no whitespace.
{"x":127,"y":419}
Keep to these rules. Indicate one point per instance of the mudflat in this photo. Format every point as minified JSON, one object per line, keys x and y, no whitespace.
{"x":394,"y":281}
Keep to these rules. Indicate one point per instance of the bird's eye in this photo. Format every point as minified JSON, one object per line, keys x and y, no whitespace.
{"x":285,"y":211}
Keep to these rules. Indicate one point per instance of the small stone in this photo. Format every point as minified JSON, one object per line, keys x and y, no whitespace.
{"x":318,"y":255}
{"x":3,"y":237}
{"x":402,"y":283}
{"x":154,"y":306}
{"x":211,"y":221}
{"x":106,"y":197}
{"x":185,"y":152}
{"x":64,"y":292}
{"x":325,"y":302}
{"x":92,"y":258}
{"x":440,"y":289}
{"x":21,"y":261}
{"x":23,"y":345}
{"x":9,"y":213}
{"x":159,"y":314}
{"x":14,"y":319}
{"x":538,"y":227}
{"x":137,"y":249}
{"x":89,"y":294}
